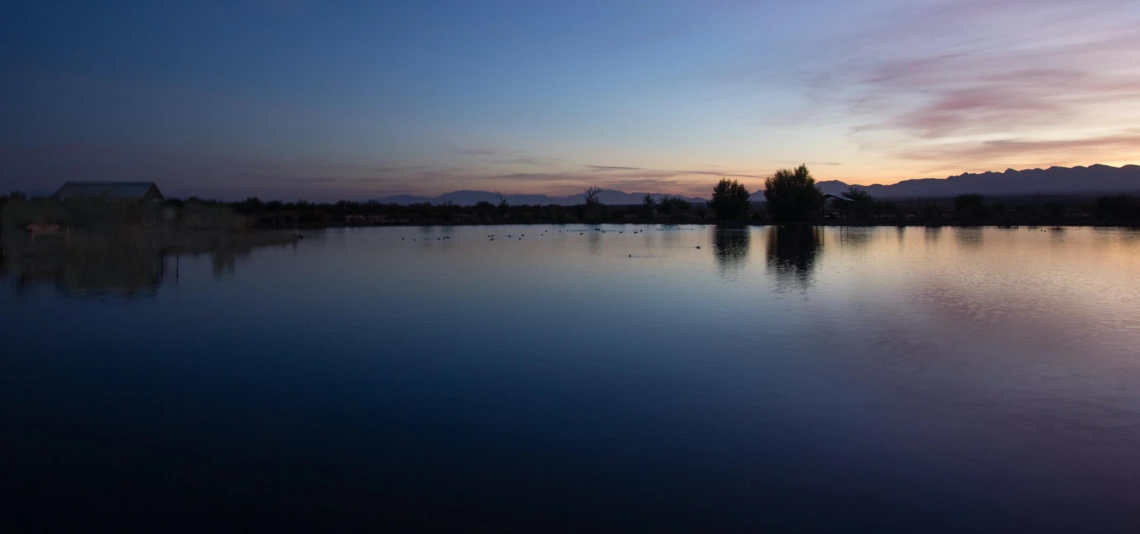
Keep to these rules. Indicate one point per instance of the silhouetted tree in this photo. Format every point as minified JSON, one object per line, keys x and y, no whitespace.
{"x":861,"y":202}
{"x":729,"y":200}
{"x":503,"y":207}
{"x":648,"y":203}
{"x":792,"y":195}
{"x":591,"y":196}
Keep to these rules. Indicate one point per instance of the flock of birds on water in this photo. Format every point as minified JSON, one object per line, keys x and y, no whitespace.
{"x":491,"y":237}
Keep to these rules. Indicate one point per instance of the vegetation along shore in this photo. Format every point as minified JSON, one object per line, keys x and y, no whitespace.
{"x":790,"y":196}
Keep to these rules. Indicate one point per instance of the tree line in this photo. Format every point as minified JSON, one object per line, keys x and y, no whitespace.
{"x":789,"y":196}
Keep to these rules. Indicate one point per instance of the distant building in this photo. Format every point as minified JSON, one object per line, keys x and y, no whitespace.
{"x":118,"y":192}
{"x":835,"y":206}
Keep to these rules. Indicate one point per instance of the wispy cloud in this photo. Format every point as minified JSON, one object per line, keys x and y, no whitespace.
{"x":989,"y":80}
{"x":808,"y":163}
{"x":535,"y":161}
{"x":607,"y":168}
{"x":664,"y":173}
{"x":1095,"y":147}
{"x":538,"y":177}
{"x":473,"y":152}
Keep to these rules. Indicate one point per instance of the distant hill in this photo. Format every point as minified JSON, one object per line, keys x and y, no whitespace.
{"x":469,"y":198}
{"x":1095,"y":179}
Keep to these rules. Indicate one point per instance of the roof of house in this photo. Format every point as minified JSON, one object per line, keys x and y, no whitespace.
{"x":837,"y":197}
{"x":108,"y":189}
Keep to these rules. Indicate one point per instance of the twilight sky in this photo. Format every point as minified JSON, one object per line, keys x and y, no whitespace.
{"x":328,"y":100}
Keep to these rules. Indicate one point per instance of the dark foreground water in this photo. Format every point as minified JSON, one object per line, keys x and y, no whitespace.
{"x":832,"y":380}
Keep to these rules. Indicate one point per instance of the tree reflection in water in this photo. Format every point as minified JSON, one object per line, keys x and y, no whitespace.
{"x":120,"y":273}
{"x":793,"y":252}
{"x":730,"y":246}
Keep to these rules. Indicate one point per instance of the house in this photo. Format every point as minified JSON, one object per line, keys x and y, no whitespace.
{"x":111,"y":192}
{"x":835,"y":206}
{"x":111,"y":204}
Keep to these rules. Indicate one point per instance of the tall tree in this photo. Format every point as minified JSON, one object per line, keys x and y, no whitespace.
{"x":792,"y":195}
{"x":729,"y":199}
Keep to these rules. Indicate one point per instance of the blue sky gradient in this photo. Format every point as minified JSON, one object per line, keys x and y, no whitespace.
{"x":324,"y":100}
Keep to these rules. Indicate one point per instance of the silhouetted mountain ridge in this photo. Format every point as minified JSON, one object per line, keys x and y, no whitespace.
{"x":469,"y":198}
{"x":1094,"y":179}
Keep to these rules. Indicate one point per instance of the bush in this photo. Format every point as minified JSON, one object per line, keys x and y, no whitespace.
{"x":675,"y":206}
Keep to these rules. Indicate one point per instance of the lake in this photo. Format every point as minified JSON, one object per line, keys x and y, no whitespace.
{"x":582,"y":378}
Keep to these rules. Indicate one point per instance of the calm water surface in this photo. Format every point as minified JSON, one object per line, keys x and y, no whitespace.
{"x":875,"y":379}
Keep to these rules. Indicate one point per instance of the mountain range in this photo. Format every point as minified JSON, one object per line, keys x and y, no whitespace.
{"x":1094,"y":179}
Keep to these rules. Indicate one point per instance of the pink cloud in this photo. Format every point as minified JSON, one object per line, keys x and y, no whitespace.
{"x":1002,"y":149}
{"x":973,"y":82}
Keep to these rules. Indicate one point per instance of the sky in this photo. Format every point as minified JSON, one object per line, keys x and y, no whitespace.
{"x":291,"y":99}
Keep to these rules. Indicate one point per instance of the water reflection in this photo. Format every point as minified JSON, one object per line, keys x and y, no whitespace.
{"x":969,"y":236}
{"x":124,"y":275}
{"x":730,"y":246}
{"x":1058,"y":235}
{"x":378,"y":367}
{"x":933,"y":234}
{"x":855,"y":237}
{"x":594,"y":242}
{"x":224,"y":261}
{"x":793,"y":252}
